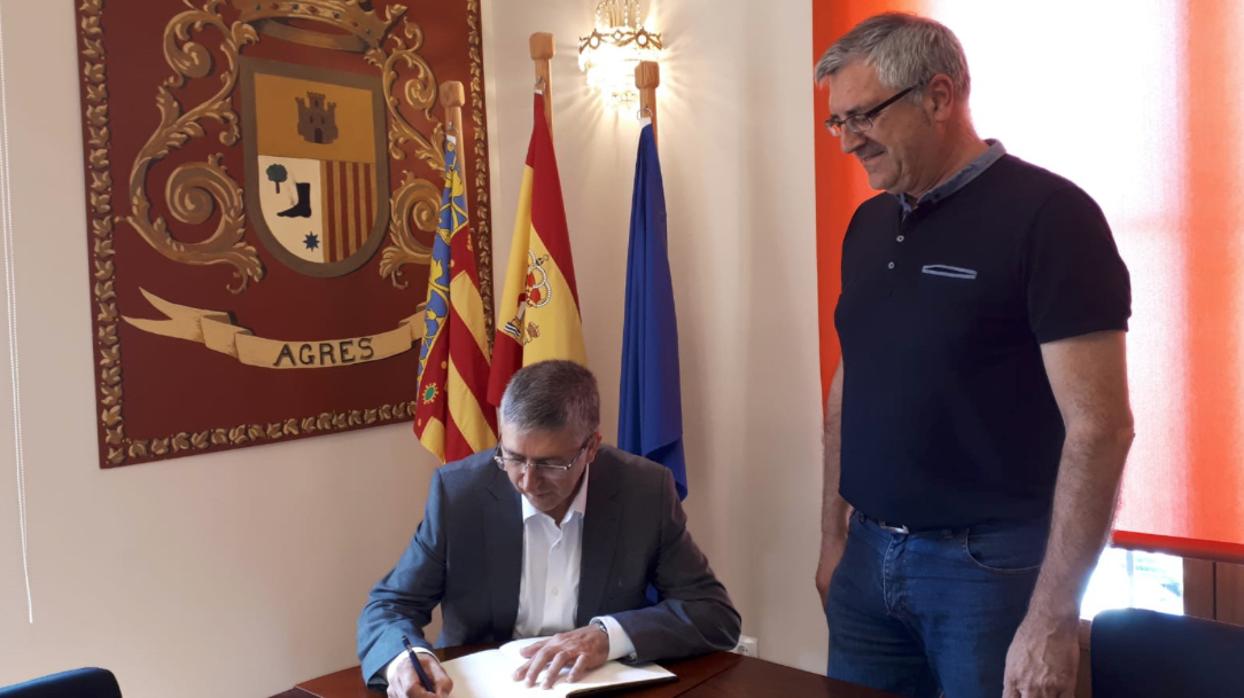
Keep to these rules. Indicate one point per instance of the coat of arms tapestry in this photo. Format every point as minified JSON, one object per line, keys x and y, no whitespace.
{"x":263,"y":182}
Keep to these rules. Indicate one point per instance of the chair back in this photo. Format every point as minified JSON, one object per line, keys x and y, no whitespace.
{"x":90,"y":682}
{"x":1142,"y":654}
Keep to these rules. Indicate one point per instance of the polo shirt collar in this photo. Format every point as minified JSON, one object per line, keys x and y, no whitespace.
{"x":959,"y":180}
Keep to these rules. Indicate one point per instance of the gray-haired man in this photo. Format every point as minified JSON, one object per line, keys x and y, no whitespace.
{"x":977,"y":426}
{"x":552,"y":533}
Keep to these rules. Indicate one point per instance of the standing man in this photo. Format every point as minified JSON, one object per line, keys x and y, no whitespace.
{"x":551,"y":533}
{"x":977,"y":425}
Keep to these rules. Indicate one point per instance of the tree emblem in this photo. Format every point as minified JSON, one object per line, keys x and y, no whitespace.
{"x":277,"y":174}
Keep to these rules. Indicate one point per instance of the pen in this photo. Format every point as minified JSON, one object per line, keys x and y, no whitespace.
{"x":424,"y":680}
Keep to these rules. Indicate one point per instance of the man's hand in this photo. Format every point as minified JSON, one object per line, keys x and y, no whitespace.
{"x":832,"y":548}
{"x":1043,"y":659}
{"x":404,"y":682}
{"x":582,"y":650}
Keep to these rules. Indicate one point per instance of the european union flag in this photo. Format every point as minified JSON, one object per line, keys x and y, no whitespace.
{"x":650,"y":410}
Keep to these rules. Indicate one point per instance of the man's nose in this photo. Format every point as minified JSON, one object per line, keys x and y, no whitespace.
{"x":850,"y":141}
{"x":527,"y":475}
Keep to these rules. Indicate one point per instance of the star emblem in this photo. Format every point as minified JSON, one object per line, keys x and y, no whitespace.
{"x":311,"y":241}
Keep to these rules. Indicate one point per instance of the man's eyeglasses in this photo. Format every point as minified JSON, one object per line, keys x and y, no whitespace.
{"x":859,"y":123}
{"x":514,"y":464}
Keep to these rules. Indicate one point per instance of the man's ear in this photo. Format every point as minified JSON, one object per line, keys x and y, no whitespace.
{"x":940,"y":97}
{"x":593,"y":446}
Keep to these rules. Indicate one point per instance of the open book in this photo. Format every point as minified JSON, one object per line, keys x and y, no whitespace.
{"x":490,"y":674}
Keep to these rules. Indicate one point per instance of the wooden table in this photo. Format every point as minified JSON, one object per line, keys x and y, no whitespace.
{"x":716,"y":675}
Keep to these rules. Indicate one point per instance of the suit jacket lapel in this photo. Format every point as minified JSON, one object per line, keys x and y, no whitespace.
{"x":600,"y":531}
{"x":503,"y":535}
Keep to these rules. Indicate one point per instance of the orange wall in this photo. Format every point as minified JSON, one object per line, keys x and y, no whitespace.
{"x":840,"y":182}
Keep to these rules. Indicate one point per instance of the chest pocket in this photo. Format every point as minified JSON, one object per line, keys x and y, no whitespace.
{"x":949,"y":271}
{"x":955,"y":285}
{"x":966,"y":307}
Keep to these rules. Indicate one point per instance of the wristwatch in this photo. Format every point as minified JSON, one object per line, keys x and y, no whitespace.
{"x":600,"y":625}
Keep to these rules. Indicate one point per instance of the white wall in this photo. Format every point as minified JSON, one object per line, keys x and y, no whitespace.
{"x":242,"y":572}
{"x":228,"y":574}
{"x":735,"y":135}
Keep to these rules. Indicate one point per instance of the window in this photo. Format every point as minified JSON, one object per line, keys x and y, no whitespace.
{"x":1135,"y":579}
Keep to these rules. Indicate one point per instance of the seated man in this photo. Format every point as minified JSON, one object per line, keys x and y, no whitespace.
{"x":551,"y":533}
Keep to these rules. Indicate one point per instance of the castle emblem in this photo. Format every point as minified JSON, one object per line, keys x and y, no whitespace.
{"x":316,"y":122}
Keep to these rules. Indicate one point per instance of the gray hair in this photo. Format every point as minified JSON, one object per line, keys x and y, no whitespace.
{"x":905,"y":49}
{"x":551,"y":396}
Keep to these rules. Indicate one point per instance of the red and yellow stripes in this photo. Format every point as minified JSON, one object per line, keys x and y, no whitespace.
{"x":455,"y":423}
{"x":349,"y":206}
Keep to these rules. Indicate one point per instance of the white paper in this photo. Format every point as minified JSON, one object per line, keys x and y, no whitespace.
{"x":490,"y":674}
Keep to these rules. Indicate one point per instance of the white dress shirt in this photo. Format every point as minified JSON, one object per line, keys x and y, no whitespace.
{"x":548,"y":593}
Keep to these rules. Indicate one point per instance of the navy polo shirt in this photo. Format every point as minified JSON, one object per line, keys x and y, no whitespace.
{"x":948,"y":418}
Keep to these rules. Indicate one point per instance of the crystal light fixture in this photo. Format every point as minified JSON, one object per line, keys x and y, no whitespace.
{"x":617,"y":44}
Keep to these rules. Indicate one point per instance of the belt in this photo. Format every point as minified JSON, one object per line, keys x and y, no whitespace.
{"x":893,"y":527}
{"x":905,"y":530}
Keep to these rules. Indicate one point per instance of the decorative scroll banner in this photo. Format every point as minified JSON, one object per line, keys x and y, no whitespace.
{"x":275,"y":168}
{"x":216,"y":331}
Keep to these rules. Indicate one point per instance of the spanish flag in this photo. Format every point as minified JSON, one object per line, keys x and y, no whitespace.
{"x":451,"y":418}
{"x":539,"y":311}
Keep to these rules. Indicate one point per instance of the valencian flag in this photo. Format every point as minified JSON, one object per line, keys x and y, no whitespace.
{"x":451,"y":418}
{"x":650,"y":401}
{"x":539,"y":311}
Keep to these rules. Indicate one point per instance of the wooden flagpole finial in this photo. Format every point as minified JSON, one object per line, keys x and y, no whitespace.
{"x":541,"y":45}
{"x":453,"y":96}
{"x":647,"y":77}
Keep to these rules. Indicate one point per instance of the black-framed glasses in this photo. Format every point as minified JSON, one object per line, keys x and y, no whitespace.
{"x":859,"y":123}
{"x":551,"y":468}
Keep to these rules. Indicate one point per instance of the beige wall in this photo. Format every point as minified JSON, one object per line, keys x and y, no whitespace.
{"x":239,"y":573}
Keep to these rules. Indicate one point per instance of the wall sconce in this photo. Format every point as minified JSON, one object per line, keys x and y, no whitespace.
{"x":617,"y":44}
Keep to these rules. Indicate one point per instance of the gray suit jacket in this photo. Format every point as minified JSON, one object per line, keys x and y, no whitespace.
{"x":467,"y":556}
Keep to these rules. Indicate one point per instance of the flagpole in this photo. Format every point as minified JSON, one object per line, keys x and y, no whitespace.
{"x":541,"y":45}
{"x":453,"y":96}
{"x":647,"y":77}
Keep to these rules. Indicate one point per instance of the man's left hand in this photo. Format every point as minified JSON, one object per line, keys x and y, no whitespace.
{"x":582,"y":650}
{"x":1043,"y":659}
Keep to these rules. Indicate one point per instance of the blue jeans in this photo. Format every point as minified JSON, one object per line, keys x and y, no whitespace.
{"x":933,"y":612}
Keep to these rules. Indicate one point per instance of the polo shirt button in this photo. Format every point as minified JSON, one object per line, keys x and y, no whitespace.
{"x":899,"y":238}
{"x":890,"y":265}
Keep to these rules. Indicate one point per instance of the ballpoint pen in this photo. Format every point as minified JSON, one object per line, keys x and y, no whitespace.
{"x":424,"y":679}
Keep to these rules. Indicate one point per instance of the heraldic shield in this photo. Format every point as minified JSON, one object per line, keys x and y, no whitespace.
{"x":317,"y":189}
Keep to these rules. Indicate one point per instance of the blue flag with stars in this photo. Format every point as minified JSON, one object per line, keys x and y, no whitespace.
{"x":650,"y":410}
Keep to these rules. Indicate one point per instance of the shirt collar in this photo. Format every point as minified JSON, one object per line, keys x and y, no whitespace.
{"x":959,"y":180}
{"x":577,"y":506}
